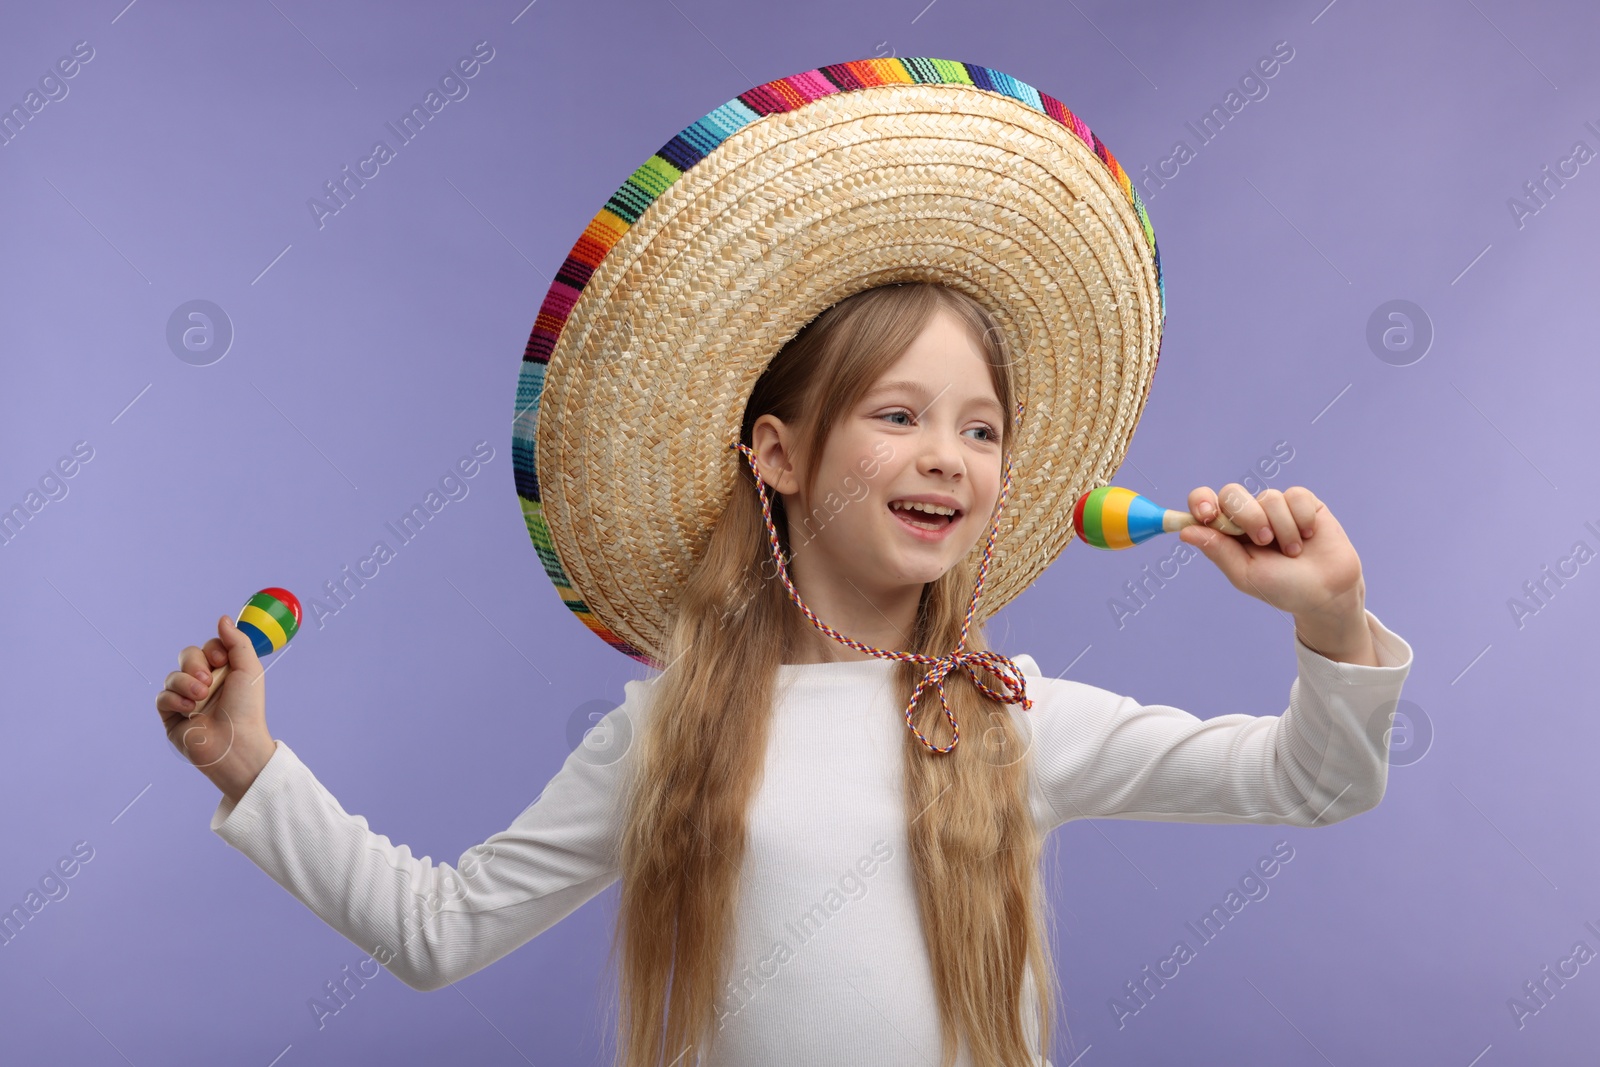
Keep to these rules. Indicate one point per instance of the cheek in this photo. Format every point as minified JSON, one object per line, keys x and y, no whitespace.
{"x":994,"y":481}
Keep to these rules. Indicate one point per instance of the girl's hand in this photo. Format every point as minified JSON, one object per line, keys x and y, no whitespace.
{"x":1297,"y":557}
{"x":227,"y":738}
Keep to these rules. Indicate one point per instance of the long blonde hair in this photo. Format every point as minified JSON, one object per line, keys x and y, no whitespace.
{"x":975,"y":863}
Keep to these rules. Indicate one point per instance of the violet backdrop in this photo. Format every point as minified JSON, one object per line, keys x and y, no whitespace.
{"x":1388,"y":159}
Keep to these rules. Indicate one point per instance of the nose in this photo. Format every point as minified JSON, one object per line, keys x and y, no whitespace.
{"x":940,"y":455}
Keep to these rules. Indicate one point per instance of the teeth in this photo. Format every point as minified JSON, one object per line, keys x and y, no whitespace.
{"x":931,"y":509}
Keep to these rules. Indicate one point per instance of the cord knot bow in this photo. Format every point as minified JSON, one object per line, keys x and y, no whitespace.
{"x":1002,"y":667}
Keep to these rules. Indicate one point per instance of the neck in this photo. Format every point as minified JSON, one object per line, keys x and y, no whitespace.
{"x":880,"y":617}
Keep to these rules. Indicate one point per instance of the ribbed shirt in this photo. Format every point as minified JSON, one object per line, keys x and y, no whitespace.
{"x":830,"y":964}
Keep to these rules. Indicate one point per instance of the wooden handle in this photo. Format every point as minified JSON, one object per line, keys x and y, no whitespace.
{"x":1177,"y":520}
{"x":216,"y":682}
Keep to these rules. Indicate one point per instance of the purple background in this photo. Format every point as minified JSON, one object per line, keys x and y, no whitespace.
{"x":374,"y":351}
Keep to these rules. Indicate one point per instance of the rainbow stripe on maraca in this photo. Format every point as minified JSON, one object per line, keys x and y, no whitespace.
{"x":269,"y":619}
{"x":1113,"y":517}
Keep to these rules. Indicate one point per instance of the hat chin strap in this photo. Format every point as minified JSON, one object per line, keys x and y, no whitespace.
{"x":939,"y":667}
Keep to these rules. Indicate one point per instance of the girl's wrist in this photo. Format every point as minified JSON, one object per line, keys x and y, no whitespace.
{"x":235,"y":777}
{"x":1344,"y":637}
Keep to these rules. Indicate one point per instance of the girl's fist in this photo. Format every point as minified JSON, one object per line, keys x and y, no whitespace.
{"x":214,"y":709}
{"x":1295,"y":555}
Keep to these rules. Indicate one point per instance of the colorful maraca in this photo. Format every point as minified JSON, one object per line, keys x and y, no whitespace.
{"x":1112,"y":517}
{"x":269,"y":619}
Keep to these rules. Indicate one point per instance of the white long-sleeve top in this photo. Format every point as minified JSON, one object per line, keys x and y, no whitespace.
{"x":827,"y":926}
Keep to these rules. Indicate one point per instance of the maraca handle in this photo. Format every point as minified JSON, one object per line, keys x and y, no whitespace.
{"x":216,"y":683}
{"x":1174,"y":521}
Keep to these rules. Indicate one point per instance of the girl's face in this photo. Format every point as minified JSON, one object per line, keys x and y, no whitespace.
{"x":926,"y":433}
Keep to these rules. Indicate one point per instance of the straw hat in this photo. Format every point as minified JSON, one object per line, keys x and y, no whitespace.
{"x":753,"y":220}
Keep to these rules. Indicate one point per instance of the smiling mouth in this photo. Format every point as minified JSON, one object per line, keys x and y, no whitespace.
{"x":916,"y":517}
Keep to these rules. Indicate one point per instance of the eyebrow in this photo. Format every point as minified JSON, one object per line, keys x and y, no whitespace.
{"x":920,"y":389}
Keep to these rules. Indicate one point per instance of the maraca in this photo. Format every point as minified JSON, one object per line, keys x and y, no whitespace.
{"x":1112,"y":517}
{"x":269,"y":619}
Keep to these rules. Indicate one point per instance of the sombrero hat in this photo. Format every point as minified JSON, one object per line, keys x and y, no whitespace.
{"x":757,"y":217}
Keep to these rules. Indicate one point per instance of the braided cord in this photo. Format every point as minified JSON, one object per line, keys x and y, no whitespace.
{"x":939,"y":667}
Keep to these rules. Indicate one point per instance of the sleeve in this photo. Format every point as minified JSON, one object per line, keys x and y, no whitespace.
{"x":1100,"y":755}
{"x":431,"y":924}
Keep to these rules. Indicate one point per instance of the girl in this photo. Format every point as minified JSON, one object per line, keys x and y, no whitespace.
{"x":793,"y":889}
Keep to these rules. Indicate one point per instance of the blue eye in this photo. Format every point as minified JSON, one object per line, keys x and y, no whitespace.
{"x":991,"y":434}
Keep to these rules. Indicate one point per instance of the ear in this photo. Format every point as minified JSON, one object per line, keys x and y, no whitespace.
{"x":774,"y":446}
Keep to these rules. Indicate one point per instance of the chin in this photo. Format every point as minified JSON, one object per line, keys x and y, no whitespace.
{"x":919,"y":568}
{"x":922,"y":572}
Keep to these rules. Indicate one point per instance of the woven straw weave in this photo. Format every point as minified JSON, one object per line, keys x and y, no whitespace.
{"x":635,"y":380}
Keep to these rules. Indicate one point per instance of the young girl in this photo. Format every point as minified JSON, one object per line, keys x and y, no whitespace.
{"x":827,"y":824}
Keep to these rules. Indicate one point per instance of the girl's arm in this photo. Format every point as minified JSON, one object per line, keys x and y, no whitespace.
{"x":431,"y":924}
{"x":1100,"y":755}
